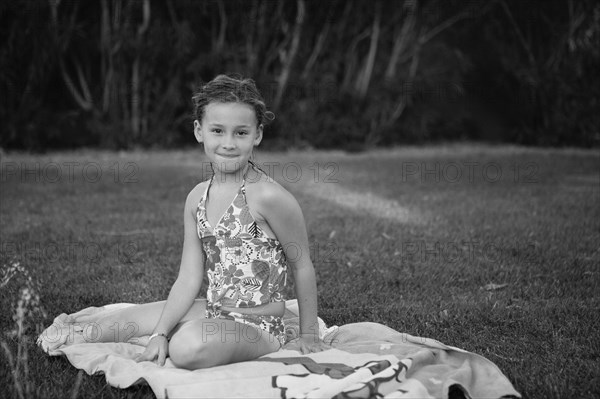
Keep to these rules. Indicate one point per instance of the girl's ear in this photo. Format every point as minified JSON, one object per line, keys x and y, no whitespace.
{"x":198,"y":131}
{"x":259,"y":135}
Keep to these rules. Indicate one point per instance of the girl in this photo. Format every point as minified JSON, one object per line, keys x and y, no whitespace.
{"x":237,"y":227}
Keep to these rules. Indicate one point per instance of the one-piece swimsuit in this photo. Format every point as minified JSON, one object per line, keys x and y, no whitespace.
{"x":245,"y":267}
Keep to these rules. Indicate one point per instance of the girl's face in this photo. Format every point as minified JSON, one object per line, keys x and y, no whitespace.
{"x":229,"y":132}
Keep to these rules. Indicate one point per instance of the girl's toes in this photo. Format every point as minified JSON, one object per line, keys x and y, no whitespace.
{"x":59,"y":334}
{"x":53,"y":337}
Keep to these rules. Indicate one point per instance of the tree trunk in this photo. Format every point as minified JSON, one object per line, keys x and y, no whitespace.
{"x":219,"y":43}
{"x":405,"y":97}
{"x":288,"y":56}
{"x":81,"y":96}
{"x":135,"y":98}
{"x":350,"y":62}
{"x":364,"y":77}
{"x":250,"y":42}
{"x":106,"y":56}
{"x":316,"y":51}
{"x":401,"y":41}
{"x":135,"y":75}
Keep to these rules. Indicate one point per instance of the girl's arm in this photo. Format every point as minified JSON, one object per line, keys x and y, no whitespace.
{"x":283,"y":214}
{"x":186,"y":287}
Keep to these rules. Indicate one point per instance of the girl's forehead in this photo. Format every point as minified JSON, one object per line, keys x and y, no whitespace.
{"x":231,"y":112}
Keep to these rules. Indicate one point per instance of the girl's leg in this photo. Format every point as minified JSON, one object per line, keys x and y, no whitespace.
{"x":212,"y":342}
{"x":135,"y":321}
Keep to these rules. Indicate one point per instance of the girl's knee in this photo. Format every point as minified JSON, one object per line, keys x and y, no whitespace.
{"x":209,"y":343}
{"x":193,"y":351}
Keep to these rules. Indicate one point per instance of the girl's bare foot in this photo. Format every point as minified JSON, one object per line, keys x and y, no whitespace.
{"x":62,"y":332}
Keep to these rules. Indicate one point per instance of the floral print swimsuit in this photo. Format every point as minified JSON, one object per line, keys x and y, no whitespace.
{"x":245,"y":267}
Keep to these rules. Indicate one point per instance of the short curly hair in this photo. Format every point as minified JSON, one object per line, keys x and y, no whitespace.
{"x":225,"y":89}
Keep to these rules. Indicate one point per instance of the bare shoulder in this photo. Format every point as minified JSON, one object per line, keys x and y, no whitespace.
{"x":195,"y":195}
{"x":273,"y":206}
{"x":264,"y":193}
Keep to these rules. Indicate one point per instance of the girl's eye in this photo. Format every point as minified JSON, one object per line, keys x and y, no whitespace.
{"x":242,"y":132}
{"x":216,"y":130}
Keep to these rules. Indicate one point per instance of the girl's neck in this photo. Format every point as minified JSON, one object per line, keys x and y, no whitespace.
{"x":225,"y":178}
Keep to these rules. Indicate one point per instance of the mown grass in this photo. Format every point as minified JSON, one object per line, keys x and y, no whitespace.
{"x":390,"y":244}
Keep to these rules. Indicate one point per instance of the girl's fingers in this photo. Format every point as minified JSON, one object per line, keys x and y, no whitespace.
{"x":161,"y":358}
{"x":324,"y":346}
{"x":151,"y":354}
{"x":320,"y":347}
{"x":145,"y":357}
{"x":306,"y":349}
{"x":142,"y":358}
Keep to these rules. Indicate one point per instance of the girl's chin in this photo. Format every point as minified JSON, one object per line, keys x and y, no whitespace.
{"x":229,"y":165}
{"x":226,"y":158}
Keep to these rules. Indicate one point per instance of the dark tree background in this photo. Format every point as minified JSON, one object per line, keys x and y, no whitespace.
{"x":341,"y":73}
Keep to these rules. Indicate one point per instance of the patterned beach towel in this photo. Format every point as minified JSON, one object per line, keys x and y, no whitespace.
{"x":367,"y":360}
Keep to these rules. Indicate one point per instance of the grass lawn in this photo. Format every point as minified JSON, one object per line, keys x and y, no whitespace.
{"x":409,"y":237}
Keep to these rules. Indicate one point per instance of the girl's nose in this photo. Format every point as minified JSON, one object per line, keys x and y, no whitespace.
{"x":228,"y":141}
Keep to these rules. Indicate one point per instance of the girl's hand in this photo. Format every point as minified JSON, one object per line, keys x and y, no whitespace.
{"x":308,"y":344}
{"x":158,"y":348}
